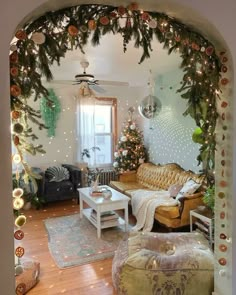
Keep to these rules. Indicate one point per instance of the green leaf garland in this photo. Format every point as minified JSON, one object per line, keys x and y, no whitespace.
{"x":50,"y":108}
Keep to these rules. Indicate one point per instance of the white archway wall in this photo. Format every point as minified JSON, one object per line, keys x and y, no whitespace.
{"x":221,"y":14}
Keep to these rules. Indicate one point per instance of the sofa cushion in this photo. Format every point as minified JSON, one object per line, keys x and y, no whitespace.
{"x":168,"y":211}
{"x":126,"y":186}
{"x":174,"y":189}
{"x":189,"y":188}
{"x":57,"y":174}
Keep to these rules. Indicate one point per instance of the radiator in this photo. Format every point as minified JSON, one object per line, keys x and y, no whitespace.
{"x":106,"y":176}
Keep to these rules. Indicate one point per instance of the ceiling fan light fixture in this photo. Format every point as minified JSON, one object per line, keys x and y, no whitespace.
{"x":85,"y":91}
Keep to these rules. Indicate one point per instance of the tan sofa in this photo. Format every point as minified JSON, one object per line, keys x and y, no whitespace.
{"x":161,"y":177}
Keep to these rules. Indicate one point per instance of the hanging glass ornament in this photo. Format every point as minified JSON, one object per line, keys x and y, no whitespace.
{"x":150,"y":106}
{"x":50,"y":108}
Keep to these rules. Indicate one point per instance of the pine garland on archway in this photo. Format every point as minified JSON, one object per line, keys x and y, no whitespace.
{"x":44,"y":41}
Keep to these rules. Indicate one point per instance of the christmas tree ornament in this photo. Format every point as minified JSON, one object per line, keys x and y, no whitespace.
{"x":13,"y":47}
{"x":17,"y":193}
{"x":14,"y":57}
{"x":14,"y":71}
{"x":15,"y":90}
{"x":152,"y":23}
{"x":18,"y":203}
{"x":123,"y":138}
{"x":19,"y":270}
{"x":18,"y":128}
{"x":15,"y":115}
{"x":19,"y":234}
{"x":16,"y":140}
{"x":73,"y":31}
{"x":92,"y":24}
{"x":121,"y":10}
{"x":19,"y":251}
{"x":38,"y":38}
{"x":145,"y":16}
{"x":198,"y":136}
{"x":20,"y":221}
{"x":209,"y":50}
{"x":113,"y":14}
{"x":21,"y":35}
{"x":104,"y":20}
{"x":83,"y":29}
{"x":16,"y":158}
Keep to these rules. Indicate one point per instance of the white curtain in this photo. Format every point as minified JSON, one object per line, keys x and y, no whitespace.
{"x":85,"y":128}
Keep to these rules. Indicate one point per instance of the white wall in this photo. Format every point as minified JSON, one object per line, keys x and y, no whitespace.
{"x":219,"y":13}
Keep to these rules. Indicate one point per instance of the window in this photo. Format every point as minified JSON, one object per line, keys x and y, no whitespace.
{"x":97,"y":128}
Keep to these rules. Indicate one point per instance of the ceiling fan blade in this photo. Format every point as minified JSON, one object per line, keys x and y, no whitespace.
{"x":112,"y":83}
{"x":97,"y":88}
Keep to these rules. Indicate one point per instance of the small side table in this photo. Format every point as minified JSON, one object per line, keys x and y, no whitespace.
{"x":204,"y":222}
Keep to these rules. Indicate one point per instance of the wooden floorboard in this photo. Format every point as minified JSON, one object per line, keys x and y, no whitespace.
{"x":89,"y":279}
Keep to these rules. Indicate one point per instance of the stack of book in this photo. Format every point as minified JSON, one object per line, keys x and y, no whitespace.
{"x":109,"y":218}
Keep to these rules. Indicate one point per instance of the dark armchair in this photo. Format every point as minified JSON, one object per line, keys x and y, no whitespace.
{"x":64,"y":189}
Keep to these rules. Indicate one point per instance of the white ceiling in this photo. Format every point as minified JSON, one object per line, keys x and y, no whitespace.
{"x":108,"y":62}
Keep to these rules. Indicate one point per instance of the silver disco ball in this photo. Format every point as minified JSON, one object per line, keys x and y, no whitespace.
{"x":150,"y":106}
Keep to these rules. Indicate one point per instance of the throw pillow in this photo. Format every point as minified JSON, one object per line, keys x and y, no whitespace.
{"x":57,"y":174}
{"x":174,"y":189}
{"x":189,"y":188}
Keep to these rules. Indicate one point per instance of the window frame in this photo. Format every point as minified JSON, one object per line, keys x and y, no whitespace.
{"x":113,"y":102}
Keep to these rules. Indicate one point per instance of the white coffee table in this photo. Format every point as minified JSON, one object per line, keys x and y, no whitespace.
{"x":99,"y":204}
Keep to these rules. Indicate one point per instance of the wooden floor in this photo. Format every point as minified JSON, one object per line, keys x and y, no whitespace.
{"x":89,"y":279}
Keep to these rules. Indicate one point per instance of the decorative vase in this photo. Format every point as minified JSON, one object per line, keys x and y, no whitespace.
{"x":107,"y":194}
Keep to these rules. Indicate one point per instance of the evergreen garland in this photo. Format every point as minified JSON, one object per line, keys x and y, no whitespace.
{"x":44,"y":41}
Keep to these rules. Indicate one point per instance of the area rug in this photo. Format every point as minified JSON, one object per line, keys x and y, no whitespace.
{"x":73,"y":241}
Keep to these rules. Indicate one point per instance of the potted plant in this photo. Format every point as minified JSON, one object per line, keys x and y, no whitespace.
{"x":86,"y":152}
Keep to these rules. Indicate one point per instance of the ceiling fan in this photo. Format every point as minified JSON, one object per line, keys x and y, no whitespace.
{"x":89,"y":81}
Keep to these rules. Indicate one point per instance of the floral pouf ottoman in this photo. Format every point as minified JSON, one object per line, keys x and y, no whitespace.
{"x":164,"y":263}
{"x":28,"y":278}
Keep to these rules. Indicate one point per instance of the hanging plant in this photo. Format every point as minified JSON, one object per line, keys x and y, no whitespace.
{"x":73,"y":27}
{"x":50,"y":109}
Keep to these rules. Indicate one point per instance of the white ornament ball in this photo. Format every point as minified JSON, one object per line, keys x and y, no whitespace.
{"x":125,"y":152}
{"x":38,"y":38}
{"x":115,"y":164}
{"x":13,"y":47}
{"x":123,"y":138}
{"x":152,"y":23}
{"x":132,"y":127}
{"x":18,"y":270}
{"x":116,"y":154}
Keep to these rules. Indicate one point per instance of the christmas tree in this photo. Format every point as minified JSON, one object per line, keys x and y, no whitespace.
{"x":130,"y":151}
